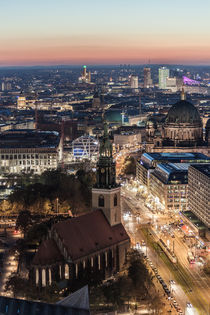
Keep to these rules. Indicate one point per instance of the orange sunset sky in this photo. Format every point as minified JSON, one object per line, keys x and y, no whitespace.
{"x":104,"y":32}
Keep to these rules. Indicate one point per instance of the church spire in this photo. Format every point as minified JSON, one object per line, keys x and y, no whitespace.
{"x":183,"y":95}
{"x":105,"y":144}
{"x":106,"y":173}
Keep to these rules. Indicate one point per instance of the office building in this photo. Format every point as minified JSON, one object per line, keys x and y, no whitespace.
{"x":21,"y":102}
{"x":199,"y":192}
{"x":148,"y":162}
{"x":169,"y":185}
{"x":134,"y":82}
{"x":147,"y":78}
{"x":163,"y":75}
{"x":29,"y":151}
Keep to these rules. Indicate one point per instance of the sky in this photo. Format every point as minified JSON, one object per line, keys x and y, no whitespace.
{"x":45,"y":32}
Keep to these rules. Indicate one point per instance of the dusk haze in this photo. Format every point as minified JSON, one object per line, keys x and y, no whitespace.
{"x":104,"y":32}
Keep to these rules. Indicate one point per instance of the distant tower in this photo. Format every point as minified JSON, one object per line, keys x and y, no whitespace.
{"x":106,"y":193}
{"x":3,"y":86}
{"x":183,"y":95}
{"x":21,"y":102}
{"x":140,"y":106}
{"x":89,"y":76}
{"x":147,"y":78}
{"x":123,"y":117}
{"x":96,"y":102}
{"x":134,"y":82}
{"x":84,"y":72}
{"x":163,"y":75}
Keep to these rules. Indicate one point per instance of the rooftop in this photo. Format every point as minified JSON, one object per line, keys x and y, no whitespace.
{"x":86,"y":234}
{"x":203,"y":168}
{"x":29,"y":139}
{"x":151,"y":159}
{"x":16,"y":306}
{"x":172,"y":172}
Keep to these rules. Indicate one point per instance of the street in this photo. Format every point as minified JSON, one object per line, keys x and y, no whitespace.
{"x":192,"y":285}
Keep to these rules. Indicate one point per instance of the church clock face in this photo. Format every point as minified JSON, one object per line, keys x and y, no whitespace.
{"x":102,"y":170}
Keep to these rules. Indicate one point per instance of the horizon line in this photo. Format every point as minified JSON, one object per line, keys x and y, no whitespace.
{"x":102,"y":64}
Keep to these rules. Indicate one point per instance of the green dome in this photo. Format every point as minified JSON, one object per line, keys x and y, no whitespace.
{"x":183,"y":112}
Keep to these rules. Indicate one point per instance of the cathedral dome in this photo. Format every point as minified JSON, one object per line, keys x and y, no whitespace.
{"x":183,"y":112}
{"x":208,"y":124}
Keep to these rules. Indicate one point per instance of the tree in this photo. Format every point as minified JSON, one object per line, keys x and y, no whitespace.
{"x":138,"y":274}
{"x":24,"y":221}
{"x":15,"y":284}
{"x":37,"y":232}
{"x":129,"y":166}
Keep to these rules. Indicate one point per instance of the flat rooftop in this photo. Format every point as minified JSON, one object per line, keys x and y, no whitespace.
{"x":152,"y":159}
{"x":203,"y":168}
{"x":172,"y":172}
{"x":29,"y":139}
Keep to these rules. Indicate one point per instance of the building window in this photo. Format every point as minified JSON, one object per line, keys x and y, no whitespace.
{"x":115,"y":200}
{"x":101,"y":201}
{"x":43,"y":277}
{"x":66,"y":271}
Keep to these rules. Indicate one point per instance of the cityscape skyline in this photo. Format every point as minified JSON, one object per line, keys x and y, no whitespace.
{"x":49,"y":33}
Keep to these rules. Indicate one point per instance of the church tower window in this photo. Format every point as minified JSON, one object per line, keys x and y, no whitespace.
{"x":115,"y":200}
{"x":101,"y":201}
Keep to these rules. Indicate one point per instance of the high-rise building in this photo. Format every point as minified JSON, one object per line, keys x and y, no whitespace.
{"x":147,"y":78}
{"x":134,"y":82}
{"x":163,"y":75}
{"x":86,"y":76}
{"x":84,"y":72}
{"x":3,"y":86}
{"x":21,"y":102}
{"x":199,"y":192}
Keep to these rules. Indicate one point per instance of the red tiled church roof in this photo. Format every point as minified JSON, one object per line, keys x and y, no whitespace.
{"x":84,"y":235}
{"x":47,"y":254}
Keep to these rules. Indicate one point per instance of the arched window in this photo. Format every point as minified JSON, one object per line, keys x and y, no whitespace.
{"x":101,"y":201}
{"x":43,"y":277}
{"x":115,"y":200}
{"x":66,"y":271}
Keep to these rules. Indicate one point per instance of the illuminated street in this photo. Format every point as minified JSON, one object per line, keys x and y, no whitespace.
{"x":193,"y":285}
{"x":10,"y":263}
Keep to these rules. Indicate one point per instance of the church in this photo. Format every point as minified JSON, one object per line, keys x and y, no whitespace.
{"x":94,"y":242}
{"x":181,"y":130}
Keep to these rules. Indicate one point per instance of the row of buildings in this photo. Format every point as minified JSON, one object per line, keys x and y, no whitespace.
{"x":178,"y":182}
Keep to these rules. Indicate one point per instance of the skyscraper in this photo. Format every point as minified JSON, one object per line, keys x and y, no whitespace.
{"x":147,"y":78}
{"x":134,"y":82}
{"x":163,"y":75}
{"x":86,"y":76}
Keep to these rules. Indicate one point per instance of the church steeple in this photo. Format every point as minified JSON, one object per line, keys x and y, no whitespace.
{"x":106,"y":193}
{"x":183,"y":95}
{"x":106,"y":173}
